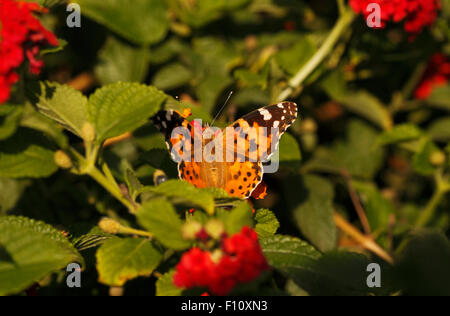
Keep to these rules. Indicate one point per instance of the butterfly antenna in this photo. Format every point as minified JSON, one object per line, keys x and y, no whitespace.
{"x":223,"y":106}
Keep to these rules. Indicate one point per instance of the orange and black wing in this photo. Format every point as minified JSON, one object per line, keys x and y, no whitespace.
{"x":256,"y":135}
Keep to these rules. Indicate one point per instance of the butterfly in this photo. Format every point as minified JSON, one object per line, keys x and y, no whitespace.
{"x":249,"y":149}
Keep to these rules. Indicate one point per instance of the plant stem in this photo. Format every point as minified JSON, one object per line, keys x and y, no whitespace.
{"x":341,"y":6}
{"x":110,"y":187}
{"x":399,"y":102}
{"x":131,"y":231}
{"x":365,"y":241}
{"x":87,"y":167}
{"x":442,"y":189}
{"x":357,"y":203}
{"x":342,"y":24}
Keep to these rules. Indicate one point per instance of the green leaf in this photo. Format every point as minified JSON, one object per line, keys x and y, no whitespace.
{"x":10,"y":193}
{"x":400,"y":133}
{"x":172,"y":76}
{"x":440,"y":97}
{"x":167,"y":50}
{"x":440,"y":129}
{"x":184,"y":192}
{"x":312,"y":202}
{"x":359,"y":102}
{"x":335,"y":273}
{"x":35,"y":120}
{"x":377,"y":208}
{"x":29,"y":251}
{"x":145,"y":22}
{"x":212,"y":59}
{"x":421,"y":160}
{"x":237,"y":218}
{"x":93,"y":238}
{"x":358,"y":154}
{"x":119,"y":61}
{"x":251,"y":79}
{"x":133,"y":183}
{"x":292,"y":59}
{"x":340,"y":273}
{"x":64,"y":105}
{"x":122,"y":107}
{"x":52,"y":50}
{"x":47,"y":3}
{"x":290,"y":154}
{"x":202,"y":12}
{"x":335,"y":84}
{"x":368,"y":106}
{"x":165,"y":286}
{"x":10,"y":116}
{"x":120,"y":260}
{"x":289,"y":254}
{"x":160,"y":218}
{"x":26,"y":154}
{"x":422,"y":266}
{"x":267,"y":223}
{"x":294,"y":290}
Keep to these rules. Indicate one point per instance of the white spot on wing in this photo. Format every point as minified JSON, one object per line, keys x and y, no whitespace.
{"x":266,"y":114}
{"x":276,"y":124}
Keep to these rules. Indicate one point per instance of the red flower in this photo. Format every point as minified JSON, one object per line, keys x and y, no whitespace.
{"x":436,"y":74}
{"x":242,"y":261}
{"x":195,"y":269}
{"x":21,"y":36}
{"x":416,"y":14}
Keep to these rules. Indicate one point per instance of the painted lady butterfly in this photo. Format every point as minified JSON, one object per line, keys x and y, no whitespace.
{"x":241,"y":176}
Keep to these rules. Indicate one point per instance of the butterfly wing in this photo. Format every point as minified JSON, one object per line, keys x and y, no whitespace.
{"x":243,"y":178}
{"x":177,"y":132}
{"x":258,"y":133}
{"x":180,"y":145}
{"x":191,"y":172}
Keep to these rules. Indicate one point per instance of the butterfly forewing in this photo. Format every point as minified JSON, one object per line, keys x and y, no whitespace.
{"x":258,"y":133}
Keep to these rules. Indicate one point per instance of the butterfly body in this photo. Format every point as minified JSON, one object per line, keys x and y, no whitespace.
{"x":241,"y":174}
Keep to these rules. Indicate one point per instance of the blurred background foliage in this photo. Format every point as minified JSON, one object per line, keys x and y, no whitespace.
{"x":362,"y":140}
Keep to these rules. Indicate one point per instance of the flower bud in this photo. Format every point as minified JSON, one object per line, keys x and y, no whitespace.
{"x":215,"y":228}
{"x":116,"y":291}
{"x":109,"y":226}
{"x":216,"y":255}
{"x":437,"y":158}
{"x":88,"y":132}
{"x":309,"y":126}
{"x":62,"y":160}
{"x":159,"y":177}
{"x":190,"y":230}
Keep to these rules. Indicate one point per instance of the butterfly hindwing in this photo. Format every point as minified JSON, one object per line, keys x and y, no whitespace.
{"x":243,"y":178}
{"x":190,"y":171}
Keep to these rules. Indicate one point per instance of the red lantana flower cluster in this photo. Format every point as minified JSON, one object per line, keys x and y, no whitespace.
{"x":436,"y":74}
{"x":241,"y":260}
{"x":417,"y":14}
{"x":21,"y":36}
